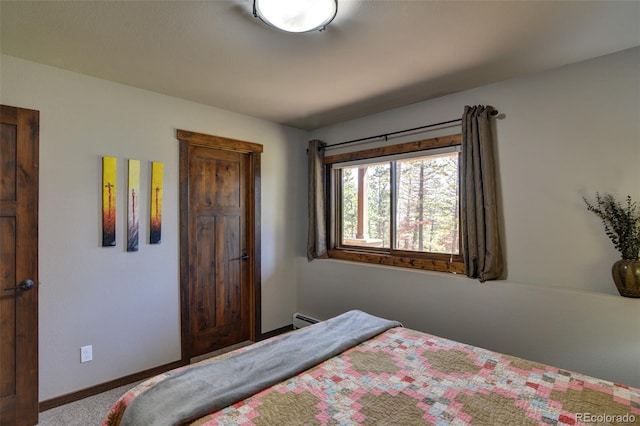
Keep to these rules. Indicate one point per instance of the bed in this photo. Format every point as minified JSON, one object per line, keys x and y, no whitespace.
{"x":361,"y":369}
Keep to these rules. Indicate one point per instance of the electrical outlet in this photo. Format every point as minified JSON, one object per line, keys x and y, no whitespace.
{"x":86,"y":353}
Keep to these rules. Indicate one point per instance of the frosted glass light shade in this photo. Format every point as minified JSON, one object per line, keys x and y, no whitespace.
{"x":296,"y":16}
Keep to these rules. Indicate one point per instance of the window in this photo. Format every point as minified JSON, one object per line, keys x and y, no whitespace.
{"x":397,"y":205}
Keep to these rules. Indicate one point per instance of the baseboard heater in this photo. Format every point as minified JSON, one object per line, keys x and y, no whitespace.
{"x":300,"y":321}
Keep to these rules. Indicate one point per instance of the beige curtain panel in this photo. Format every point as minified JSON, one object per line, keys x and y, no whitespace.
{"x":481,"y":248}
{"x":317,"y":237}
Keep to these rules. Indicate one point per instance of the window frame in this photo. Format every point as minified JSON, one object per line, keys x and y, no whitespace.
{"x":441,"y":262}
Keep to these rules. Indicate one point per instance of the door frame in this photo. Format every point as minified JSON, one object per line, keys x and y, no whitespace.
{"x":186,"y":140}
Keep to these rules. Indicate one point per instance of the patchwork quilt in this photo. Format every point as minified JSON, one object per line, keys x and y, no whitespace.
{"x":405,"y":377}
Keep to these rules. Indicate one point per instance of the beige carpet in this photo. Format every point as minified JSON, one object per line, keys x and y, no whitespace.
{"x":85,"y":412}
{"x":92,"y":410}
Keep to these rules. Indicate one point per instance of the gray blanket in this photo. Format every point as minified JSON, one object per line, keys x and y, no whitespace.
{"x":202,"y":389}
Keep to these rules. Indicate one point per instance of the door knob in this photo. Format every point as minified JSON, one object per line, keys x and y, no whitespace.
{"x":244,"y":256}
{"x":23,"y":286}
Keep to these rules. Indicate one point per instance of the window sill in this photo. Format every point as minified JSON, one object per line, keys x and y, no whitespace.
{"x":429,"y":264}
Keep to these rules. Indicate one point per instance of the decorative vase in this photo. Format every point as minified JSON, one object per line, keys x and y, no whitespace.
{"x":626,"y":275}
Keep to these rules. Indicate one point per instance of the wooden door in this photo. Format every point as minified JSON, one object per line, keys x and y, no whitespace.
{"x":18,"y":266}
{"x":219,"y":254}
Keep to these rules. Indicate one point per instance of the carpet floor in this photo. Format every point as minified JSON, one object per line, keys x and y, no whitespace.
{"x":85,"y":412}
{"x":92,"y":410}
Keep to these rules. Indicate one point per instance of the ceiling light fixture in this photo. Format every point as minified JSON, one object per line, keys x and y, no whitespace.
{"x":296,"y":16}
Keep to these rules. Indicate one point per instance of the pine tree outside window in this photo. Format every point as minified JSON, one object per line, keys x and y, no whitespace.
{"x":398,"y":205}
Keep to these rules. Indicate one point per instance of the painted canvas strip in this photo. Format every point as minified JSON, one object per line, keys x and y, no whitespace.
{"x":133,"y":209}
{"x":155,"y":231}
{"x":108,"y":201}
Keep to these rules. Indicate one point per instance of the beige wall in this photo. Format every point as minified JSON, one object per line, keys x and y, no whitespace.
{"x":564,"y":134}
{"x":126,"y":304}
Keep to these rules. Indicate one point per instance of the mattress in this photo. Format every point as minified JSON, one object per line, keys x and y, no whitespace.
{"x":402,"y":376}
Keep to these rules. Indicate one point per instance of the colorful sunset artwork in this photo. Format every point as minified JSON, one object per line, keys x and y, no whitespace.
{"x":133,"y":205}
{"x":155,"y":228}
{"x":108,"y":201}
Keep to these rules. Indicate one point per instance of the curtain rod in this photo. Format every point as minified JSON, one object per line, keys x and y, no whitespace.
{"x":386,"y":135}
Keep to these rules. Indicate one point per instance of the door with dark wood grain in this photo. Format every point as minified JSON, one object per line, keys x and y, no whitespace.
{"x":19,"y":140}
{"x":219,"y":280}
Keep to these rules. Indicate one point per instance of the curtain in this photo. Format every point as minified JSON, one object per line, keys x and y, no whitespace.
{"x":481,"y":248}
{"x":317,"y":237}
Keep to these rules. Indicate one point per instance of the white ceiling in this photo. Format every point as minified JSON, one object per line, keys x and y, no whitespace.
{"x":374,"y":56}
